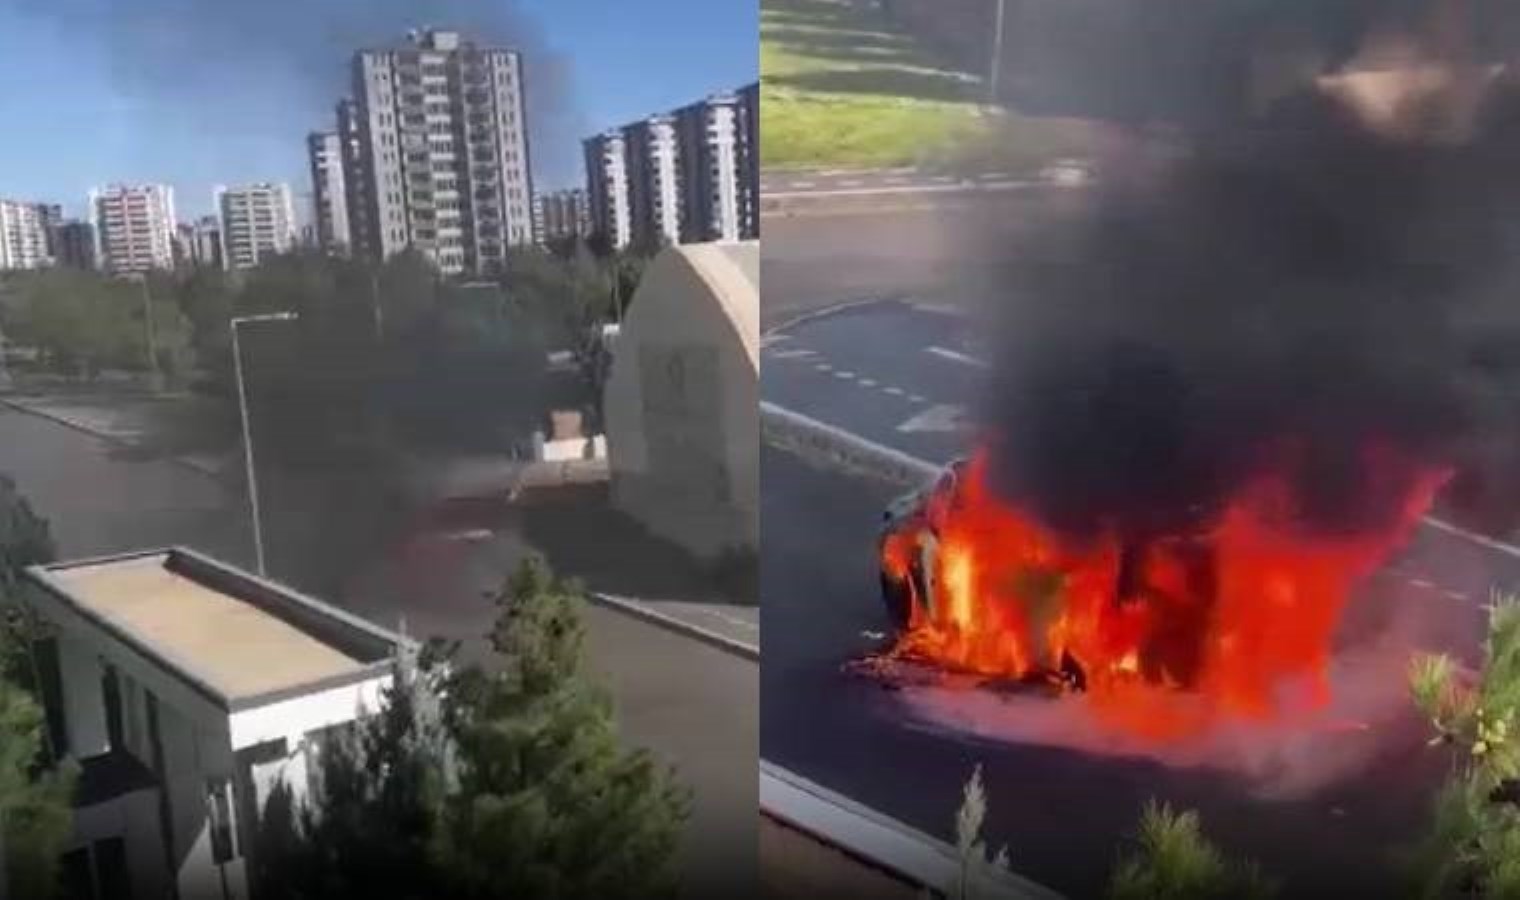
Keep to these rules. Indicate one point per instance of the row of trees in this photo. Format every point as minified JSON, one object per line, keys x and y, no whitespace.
{"x":1471,"y":851}
{"x":499,"y":779}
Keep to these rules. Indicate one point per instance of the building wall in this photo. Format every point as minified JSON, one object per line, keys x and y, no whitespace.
{"x":682,"y":438}
{"x":362,"y":228}
{"x":75,"y":245}
{"x":749,"y":161}
{"x":134,"y":227}
{"x":562,"y":215}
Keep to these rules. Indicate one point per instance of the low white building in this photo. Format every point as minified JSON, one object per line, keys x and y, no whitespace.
{"x":187,"y":689}
{"x":683,"y":440}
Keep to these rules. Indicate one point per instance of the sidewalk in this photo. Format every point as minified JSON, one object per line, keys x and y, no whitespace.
{"x":127,"y":422}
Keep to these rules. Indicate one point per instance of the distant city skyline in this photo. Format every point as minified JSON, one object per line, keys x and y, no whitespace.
{"x":219,"y":98}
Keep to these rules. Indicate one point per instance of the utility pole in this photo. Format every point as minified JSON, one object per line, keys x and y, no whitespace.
{"x":997,"y":57}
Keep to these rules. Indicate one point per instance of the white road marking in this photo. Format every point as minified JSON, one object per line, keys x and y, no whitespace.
{"x":823,"y":367}
{"x":802,"y":185}
{"x":894,"y":391}
{"x":769,"y":339}
{"x":957,"y":356}
{"x":942,"y":179}
{"x":940,"y":188}
{"x":941,"y":418}
{"x":1456,"y":595}
{"x":917,"y":398}
{"x":895,"y":179}
{"x":845,"y":374}
{"x":867,"y":382}
{"x":851,"y":182}
{"x":797,"y":353}
{"x":1421,"y":583}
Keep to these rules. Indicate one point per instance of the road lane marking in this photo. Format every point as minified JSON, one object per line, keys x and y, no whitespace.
{"x":1421,"y":583}
{"x":802,"y":185}
{"x":895,"y":179}
{"x":917,"y":398}
{"x":1456,"y":595}
{"x":957,"y":356}
{"x":867,"y":382}
{"x":962,"y":188}
{"x":1476,"y":538}
{"x":851,"y":182}
{"x":845,"y":374}
{"x":796,"y":353}
{"x":823,"y":367}
{"x":941,"y":418}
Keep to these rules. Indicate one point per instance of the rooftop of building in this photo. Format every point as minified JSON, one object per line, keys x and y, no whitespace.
{"x":240,"y":639}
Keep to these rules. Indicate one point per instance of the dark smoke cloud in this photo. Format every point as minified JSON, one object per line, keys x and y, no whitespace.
{"x":236,"y":67}
{"x":1306,"y":282}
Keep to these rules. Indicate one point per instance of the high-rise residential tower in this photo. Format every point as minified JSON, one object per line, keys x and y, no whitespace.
{"x":442,"y":152}
{"x":329,"y":196}
{"x":25,"y":238}
{"x":708,"y":133}
{"x":134,"y":225}
{"x":607,"y":188}
{"x":654,"y":181}
{"x":258,"y":221}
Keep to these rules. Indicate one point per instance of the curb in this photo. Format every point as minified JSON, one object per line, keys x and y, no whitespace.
{"x":634,"y":608}
{"x":882,"y":199}
{"x":802,"y":318}
{"x":201,"y":468}
{"x":879,"y":840}
{"x":806,"y":436}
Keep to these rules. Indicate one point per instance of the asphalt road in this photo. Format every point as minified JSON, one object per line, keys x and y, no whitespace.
{"x":691,"y":704}
{"x":1061,"y":803}
{"x":950,"y":248}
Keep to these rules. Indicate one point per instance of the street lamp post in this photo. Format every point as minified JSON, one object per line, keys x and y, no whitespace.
{"x":253,"y":483}
{"x":997,"y":57}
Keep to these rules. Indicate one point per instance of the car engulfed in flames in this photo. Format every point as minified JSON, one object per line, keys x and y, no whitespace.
{"x":1163,"y":633}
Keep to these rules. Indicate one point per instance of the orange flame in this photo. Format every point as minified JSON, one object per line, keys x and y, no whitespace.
{"x":1220,"y":624}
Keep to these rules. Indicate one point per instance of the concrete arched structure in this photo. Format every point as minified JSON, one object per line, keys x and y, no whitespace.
{"x":682,"y":401}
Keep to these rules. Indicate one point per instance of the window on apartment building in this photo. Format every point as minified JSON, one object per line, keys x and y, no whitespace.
{"x":220,"y":820}
{"x":110,"y":691}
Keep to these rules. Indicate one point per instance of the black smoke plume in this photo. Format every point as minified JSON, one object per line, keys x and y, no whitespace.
{"x":1288,"y":296}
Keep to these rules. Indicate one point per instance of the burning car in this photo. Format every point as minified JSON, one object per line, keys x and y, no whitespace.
{"x":1236,"y":614}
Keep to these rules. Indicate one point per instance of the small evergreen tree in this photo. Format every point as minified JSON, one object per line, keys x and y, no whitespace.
{"x":1173,"y":860}
{"x":549,"y":804}
{"x":35,"y":797}
{"x":1473,"y":848}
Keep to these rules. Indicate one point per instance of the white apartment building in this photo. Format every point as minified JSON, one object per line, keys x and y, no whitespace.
{"x":24,"y":238}
{"x":709,"y":155}
{"x":258,"y":221}
{"x":654,"y":181}
{"x":329,"y":194}
{"x":134,"y":226}
{"x":187,"y":689}
{"x":561,"y":215}
{"x":749,"y":161}
{"x":443,"y":152}
{"x":607,"y":188}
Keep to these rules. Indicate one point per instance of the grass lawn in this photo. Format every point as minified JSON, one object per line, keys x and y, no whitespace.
{"x":841,"y":85}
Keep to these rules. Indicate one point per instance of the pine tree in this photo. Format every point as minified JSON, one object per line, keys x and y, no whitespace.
{"x":1473,"y":848}
{"x":549,"y":804}
{"x":35,"y":797}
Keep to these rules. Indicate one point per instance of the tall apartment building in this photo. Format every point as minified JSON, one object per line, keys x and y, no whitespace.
{"x":361,"y":239}
{"x":134,"y":225}
{"x":654,"y":181}
{"x":74,"y":245}
{"x":329,"y":196}
{"x":708,"y":133}
{"x":258,"y":221}
{"x":749,"y":161}
{"x":607,"y":188}
{"x":25,"y":242}
{"x":561,"y":215}
{"x":187,"y":690}
{"x":442,"y":151}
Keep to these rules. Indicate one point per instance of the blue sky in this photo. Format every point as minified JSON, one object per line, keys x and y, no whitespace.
{"x":197,"y":93}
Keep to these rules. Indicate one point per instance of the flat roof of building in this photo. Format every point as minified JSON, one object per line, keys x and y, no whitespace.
{"x":237,"y":636}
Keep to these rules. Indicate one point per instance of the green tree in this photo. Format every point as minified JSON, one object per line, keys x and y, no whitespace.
{"x":1473,"y":848}
{"x":549,"y":804}
{"x":35,"y":797}
{"x":84,"y":323}
{"x":1173,"y":860}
